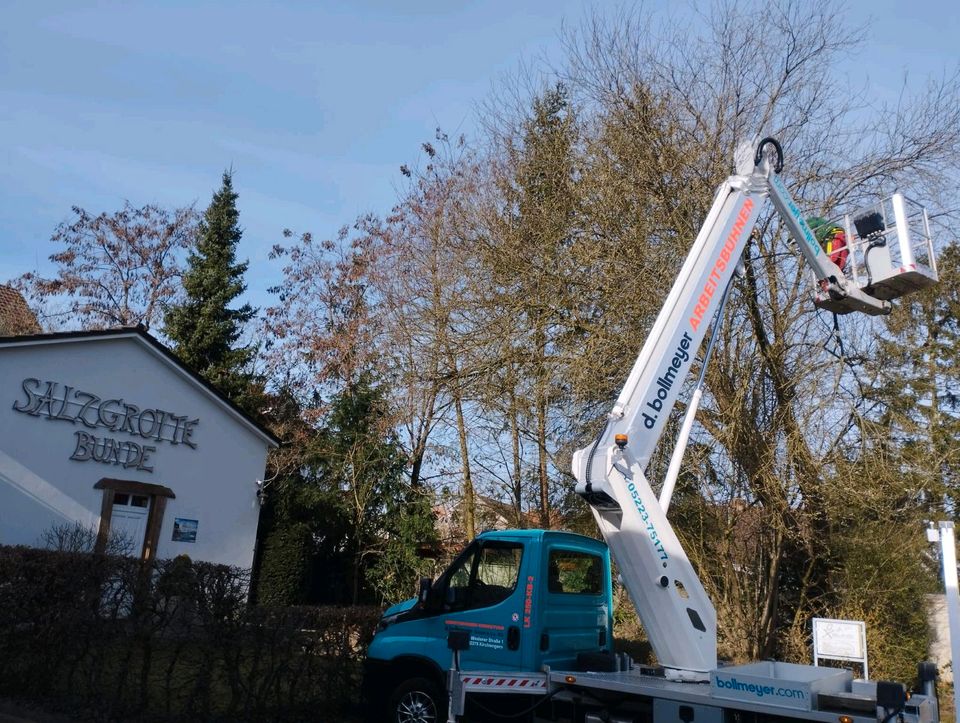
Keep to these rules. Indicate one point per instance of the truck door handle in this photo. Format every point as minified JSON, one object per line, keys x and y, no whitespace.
{"x":513,"y":637}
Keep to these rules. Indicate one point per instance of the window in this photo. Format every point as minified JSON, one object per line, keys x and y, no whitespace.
{"x":484,"y":575}
{"x":459,"y":584}
{"x":124,"y":499}
{"x":575,"y":573}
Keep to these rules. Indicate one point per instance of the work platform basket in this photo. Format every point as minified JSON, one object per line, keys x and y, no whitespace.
{"x":886,"y":249}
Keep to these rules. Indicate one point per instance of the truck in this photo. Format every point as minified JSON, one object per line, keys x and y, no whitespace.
{"x":525,"y":616}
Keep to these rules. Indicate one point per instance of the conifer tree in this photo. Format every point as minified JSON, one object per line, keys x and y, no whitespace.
{"x":204,"y":328}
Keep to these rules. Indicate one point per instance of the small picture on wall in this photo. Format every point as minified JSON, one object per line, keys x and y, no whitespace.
{"x":184,"y":530}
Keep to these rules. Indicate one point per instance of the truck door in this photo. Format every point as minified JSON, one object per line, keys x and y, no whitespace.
{"x":575,"y":614}
{"x":484,"y":596}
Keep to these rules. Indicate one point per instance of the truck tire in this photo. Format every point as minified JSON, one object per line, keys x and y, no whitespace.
{"x":417,"y":700}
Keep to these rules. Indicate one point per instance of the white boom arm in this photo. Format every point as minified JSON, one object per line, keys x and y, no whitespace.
{"x":674,"y":608}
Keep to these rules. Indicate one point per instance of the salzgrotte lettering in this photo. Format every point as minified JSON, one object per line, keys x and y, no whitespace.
{"x":62,"y":402}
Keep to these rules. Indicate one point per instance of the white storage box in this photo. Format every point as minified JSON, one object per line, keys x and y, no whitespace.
{"x":786,"y":685}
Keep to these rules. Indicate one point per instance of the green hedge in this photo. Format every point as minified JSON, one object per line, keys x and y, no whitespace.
{"x":110,"y":638}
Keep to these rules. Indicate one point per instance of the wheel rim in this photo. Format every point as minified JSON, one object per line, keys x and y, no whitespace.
{"x":416,"y":707}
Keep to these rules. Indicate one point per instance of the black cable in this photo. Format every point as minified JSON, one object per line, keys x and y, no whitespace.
{"x":890,"y":715}
{"x":588,"y":486}
{"x":876,"y":243}
{"x":515,"y":715}
{"x":836,"y":332}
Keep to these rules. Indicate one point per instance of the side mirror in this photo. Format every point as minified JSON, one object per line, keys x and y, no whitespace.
{"x":458,"y":640}
{"x":425,"y":584}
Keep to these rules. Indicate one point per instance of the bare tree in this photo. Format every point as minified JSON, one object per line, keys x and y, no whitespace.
{"x":118,"y":269}
{"x":426,"y":292}
{"x":76,"y":537}
{"x":760,"y":511}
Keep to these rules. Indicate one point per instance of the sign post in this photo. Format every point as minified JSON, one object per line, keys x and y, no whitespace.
{"x":840,"y":640}
{"x":943,"y":534}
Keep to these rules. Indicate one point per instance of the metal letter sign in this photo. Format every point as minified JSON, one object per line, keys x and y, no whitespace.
{"x":840,"y":640}
{"x":63,"y":402}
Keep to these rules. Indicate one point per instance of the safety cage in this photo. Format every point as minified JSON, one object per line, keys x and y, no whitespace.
{"x":886,"y":249}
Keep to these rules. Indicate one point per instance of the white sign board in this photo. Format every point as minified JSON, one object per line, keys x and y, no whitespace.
{"x":840,"y":640}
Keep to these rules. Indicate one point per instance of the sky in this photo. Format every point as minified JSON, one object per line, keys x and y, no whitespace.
{"x":313,"y":104}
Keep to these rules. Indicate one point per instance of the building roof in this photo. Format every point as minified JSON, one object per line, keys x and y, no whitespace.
{"x":151,"y":344}
{"x":15,"y":316}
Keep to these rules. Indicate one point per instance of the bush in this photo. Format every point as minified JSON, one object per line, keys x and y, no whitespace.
{"x":111,"y":637}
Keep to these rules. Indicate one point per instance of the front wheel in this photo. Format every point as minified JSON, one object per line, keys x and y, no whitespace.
{"x":418,"y":700}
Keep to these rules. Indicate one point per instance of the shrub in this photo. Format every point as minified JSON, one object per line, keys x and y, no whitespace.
{"x":111,"y":637}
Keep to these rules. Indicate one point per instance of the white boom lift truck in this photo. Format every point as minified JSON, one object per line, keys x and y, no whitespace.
{"x":888,"y":247}
{"x":677,"y":615}
{"x":886,"y":252}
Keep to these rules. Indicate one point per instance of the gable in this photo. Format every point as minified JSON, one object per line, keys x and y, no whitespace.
{"x":67,"y":345}
{"x":111,"y":400}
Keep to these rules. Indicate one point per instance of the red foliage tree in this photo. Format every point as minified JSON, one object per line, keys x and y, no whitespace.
{"x":118,"y":269}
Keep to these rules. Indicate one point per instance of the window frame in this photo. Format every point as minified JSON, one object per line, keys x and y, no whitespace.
{"x":584,"y":554}
{"x":476,"y":549}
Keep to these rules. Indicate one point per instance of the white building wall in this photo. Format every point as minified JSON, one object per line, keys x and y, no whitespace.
{"x":40,"y":485}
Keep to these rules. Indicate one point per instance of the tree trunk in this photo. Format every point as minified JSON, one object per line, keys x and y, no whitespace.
{"x":517,"y":468}
{"x":542,"y":458}
{"x":543,"y":384}
{"x":468,"y":502}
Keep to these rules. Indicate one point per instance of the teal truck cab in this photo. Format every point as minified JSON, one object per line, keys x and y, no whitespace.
{"x":527,"y":598}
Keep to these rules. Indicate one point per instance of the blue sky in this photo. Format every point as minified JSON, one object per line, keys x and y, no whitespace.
{"x":314,"y":104}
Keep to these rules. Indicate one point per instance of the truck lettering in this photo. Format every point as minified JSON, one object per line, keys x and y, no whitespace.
{"x":528,"y":602}
{"x":760,"y":690}
{"x":720,"y":265}
{"x":665,"y":381}
{"x":795,"y":212}
{"x":645,"y":516}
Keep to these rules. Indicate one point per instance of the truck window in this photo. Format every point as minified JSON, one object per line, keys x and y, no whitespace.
{"x":460,"y":575}
{"x":486,"y":576}
{"x":576,"y":573}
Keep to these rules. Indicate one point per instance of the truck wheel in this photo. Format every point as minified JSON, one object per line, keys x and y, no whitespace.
{"x":417,"y":700}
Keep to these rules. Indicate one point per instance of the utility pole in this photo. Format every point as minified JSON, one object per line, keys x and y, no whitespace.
{"x":942,"y":532}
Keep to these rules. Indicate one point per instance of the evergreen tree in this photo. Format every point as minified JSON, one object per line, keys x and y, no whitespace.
{"x":343,"y":524}
{"x":915,"y":419}
{"x":203,"y":328}
{"x":360,"y":465}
